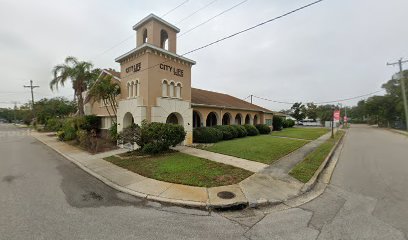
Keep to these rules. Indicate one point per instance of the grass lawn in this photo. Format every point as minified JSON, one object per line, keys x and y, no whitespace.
{"x":305,"y":170}
{"x":303,"y":133}
{"x":264,"y":148}
{"x":183,"y":169}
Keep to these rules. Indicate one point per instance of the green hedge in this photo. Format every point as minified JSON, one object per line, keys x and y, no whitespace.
{"x":241,"y":130}
{"x":288,"y":123}
{"x":263,"y":128}
{"x":251,"y":130}
{"x":207,"y":135}
{"x":228,"y":132}
{"x":54,"y":124}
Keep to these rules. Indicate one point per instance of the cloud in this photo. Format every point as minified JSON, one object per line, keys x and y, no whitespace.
{"x":336,"y":49}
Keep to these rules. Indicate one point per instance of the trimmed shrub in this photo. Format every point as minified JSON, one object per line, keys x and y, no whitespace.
{"x":241,"y":130}
{"x":154,"y":137}
{"x":277,"y":123}
{"x":263,"y":128}
{"x":207,"y":135}
{"x":53,"y":124}
{"x":251,"y":130}
{"x":228,"y":132}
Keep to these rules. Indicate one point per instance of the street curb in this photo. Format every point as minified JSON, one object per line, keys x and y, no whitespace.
{"x":115,"y":186}
{"x":201,"y":205}
{"x":312,"y":182}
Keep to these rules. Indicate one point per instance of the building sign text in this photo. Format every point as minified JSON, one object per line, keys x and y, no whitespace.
{"x":176,"y":71}
{"x":134,"y":68}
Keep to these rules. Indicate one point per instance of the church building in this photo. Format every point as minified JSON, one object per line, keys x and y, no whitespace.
{"x":156,"y":85}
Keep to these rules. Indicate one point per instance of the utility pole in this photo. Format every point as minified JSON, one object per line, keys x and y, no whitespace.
{"x":402,"y":80}
{"x":32,"y":95}
{"x":251,"y":98}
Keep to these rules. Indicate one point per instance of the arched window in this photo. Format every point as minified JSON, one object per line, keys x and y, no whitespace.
{"x":135,"y":87}
{"x":164,"y":40}
{"x":145,"y":36}
{"x":256,"y":119}
{"x":238,"y":119}
{"x":196,"y":119}
{"x":226,"y":119}
{"x":129,"y":90}
{"x":171,"y":89}
{"x":211,"y":119}
{"x":248,"y":119}
{"x":164,"y":88}
{"x":178,"y":90}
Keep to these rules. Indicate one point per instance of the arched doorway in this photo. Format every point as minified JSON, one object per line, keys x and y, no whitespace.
{"x":196,"y":119}
{"x":211,"y":119}
{"x":174,"y":118}
{"x":247,"y":119}
{"x":226,"y":119}
{"x":128,"y":120}
{"x":256,"y":119}
{"x":238,"y":119}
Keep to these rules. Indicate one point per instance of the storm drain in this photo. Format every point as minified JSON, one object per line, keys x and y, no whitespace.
{"x":226,"y":195}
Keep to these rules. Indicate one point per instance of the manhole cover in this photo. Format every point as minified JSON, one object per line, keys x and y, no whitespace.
{"x":226,"y":195}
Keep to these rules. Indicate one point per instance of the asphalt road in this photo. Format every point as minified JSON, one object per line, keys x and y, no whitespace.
{"x":44,"y":196}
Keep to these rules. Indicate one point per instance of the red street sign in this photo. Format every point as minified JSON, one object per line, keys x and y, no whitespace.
{"x":336,"y":115}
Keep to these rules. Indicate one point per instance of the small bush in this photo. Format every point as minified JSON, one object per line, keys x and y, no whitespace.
{"x":83,"y":138}
{"x":69,"y":129}
{"x":228,"y":132}
{"x":113,"y":132}
{"x":277,"y":123}
{"x":207,"y":135}
{"x":60,"y":135}
{"x":88,"y":122}
{"x":53,"y":124}
{"x":263,"y":128}
{"x":288,"y":123}
{"x":251,"y":130}
{"x":241,"y":130}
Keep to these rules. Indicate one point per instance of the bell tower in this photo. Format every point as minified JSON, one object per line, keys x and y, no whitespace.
{"x":155,"y":80}
{"x":156,"y":31}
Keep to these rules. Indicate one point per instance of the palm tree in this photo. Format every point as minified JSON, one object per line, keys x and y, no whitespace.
{"x":107,"y":91}
{"x":79,"y":72}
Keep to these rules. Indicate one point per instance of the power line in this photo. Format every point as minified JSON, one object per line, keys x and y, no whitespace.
{"x":181,"y":4}
{"x":131,"y":36}
{"x":348,"y":99}
{"x":234,"y":34}
{"x":321,"y":103}
{"x":208,"y":20}
{"x":200,"y":9}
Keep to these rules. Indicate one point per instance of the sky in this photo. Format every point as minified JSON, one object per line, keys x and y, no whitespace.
{"x":333,"y":50}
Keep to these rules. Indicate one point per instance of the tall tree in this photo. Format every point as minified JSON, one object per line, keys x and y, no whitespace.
{"x":299,"y":111}
{"x":79,"y":72}
{"x":311,"y":111}
{"x":105,"y":90}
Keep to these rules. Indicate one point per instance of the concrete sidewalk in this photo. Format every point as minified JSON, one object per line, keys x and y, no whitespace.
{"x":268,"y":186}
{"x":251,"y":166}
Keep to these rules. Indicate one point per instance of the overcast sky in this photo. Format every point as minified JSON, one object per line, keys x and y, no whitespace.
{"x":333,"y":50}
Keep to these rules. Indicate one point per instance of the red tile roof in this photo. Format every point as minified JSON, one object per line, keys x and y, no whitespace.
{"x":209,"y":98}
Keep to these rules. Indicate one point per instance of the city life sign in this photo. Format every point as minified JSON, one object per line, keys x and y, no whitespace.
{"x":134,"y":68}
{"x":176,"y":71}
